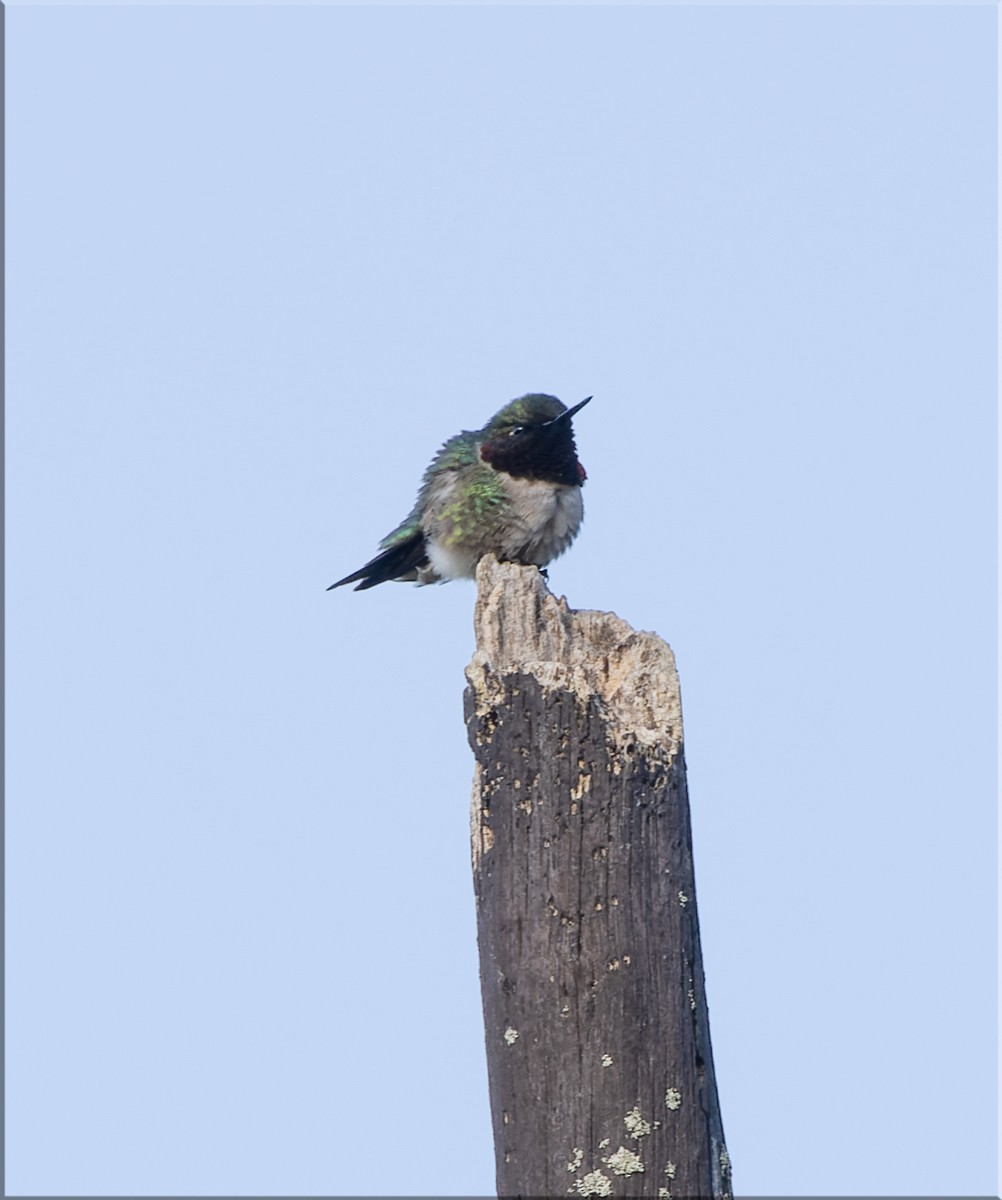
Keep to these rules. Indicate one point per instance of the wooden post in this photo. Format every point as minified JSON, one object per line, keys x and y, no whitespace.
{"x":598,"y":1043}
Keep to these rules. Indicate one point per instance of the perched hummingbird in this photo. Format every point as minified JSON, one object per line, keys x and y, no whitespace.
{"x":512,"y":489}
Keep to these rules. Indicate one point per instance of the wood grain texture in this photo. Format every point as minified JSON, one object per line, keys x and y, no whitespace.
{"x":598,"y":1047}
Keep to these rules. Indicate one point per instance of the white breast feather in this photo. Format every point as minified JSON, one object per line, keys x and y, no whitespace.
{"x":540,"y":524}
{"x":546,"y":517}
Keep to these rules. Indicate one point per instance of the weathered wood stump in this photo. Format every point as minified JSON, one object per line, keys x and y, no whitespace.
{"x":598,"y":1043}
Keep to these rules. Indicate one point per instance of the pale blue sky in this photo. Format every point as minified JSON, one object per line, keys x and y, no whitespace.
{"x":261,"y":262}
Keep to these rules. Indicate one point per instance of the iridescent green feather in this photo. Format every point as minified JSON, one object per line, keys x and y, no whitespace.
{"x":484,"y":490}
{"x":459,"y":451}
{"x":470,"y":512}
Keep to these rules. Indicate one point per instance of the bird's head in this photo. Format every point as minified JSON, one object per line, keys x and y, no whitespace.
{"x":532,"y":438}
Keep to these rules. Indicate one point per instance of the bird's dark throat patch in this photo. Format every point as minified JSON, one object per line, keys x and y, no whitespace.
{"x":546,"y":453}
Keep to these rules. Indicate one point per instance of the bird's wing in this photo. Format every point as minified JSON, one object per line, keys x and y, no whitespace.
{"x":403,"y":551}
{"x":458,"y":452}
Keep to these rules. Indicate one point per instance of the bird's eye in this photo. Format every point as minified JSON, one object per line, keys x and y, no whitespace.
{"x":517,"y":429}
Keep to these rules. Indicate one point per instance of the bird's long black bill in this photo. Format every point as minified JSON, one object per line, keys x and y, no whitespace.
{"x":566,"y":415}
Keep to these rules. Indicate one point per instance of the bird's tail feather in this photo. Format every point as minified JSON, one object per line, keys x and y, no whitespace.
{"x":399,"y":561}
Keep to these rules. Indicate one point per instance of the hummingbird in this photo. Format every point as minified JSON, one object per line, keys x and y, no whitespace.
{"x":512,"y":488}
